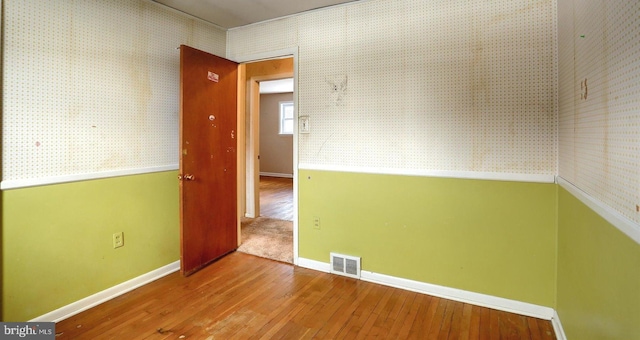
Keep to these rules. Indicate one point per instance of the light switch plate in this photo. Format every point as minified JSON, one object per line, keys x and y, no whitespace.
{"x":304,"y":124}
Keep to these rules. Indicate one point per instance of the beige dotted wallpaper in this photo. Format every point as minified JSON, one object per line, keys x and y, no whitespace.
{"x":92,"y":86}
{"x":599,"y":116}
{"x":423,"y":85}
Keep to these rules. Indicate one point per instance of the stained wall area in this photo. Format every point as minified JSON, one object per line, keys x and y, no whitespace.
{"x":90,"y":90}
{"x":600,"y":100}
{"x":92,"y":87}
{"x":410,"y":86}
{"x":599,"y":162}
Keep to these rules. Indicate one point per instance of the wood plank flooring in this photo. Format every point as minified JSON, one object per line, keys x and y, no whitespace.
{"x":276,"y":197}
{"x":247,"y":297}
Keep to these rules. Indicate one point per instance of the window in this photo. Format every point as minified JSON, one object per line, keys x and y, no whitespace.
{"x":286,"y":118}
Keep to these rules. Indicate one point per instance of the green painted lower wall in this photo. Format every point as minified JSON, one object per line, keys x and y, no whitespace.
{"x":57,"y":239}
{"x":598,"y":275}
{"x":490,"y":237}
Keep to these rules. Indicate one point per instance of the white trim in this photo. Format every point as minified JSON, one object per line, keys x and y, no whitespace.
{"x":283,"y":53}
{"x":557,"y":327}
{"x":32,"y":182}
{"x":276,"y":174}
{"x":252,"y":148}
{"x":296,"y":177}
{"x":496,"y":176}
{"x":107,"y":294}
{"x":625,"y":225}
{"x":489,"y":301}
{"x":460,"y":295}
{"x":315,"y":265}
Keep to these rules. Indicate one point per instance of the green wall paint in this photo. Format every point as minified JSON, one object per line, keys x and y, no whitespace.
{"x":57,"y":245}
{"x":598,"y":275}
{"x":490,"y":237}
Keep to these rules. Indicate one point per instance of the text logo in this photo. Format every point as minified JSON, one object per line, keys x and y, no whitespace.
{"x":27,"y":330}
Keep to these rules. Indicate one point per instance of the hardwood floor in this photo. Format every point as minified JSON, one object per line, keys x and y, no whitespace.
{"x":276,"y":197}
{"x":247,"y":297}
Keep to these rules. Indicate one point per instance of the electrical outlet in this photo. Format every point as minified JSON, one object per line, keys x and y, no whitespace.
{"x":316,"y":222}
{"x":118,"y":240}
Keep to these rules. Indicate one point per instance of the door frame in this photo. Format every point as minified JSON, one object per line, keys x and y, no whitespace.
{"x":245,"y":162}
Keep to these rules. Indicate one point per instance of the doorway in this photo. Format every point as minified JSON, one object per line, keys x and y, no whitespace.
{"x":271,"y":235}
{"x":269,"y":226}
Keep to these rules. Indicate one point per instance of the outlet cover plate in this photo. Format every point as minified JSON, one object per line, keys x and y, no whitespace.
{"x":118,"y":240}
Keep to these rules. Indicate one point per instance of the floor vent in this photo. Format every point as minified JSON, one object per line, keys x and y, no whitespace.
{"x":345,"y":265}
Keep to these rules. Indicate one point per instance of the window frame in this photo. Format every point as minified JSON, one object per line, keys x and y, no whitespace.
{"x":282,"y":119}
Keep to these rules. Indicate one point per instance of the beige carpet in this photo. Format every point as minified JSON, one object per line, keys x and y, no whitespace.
{"x":268,"y":237}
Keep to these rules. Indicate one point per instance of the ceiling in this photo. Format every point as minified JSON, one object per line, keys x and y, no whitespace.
{"x":233,"y":13}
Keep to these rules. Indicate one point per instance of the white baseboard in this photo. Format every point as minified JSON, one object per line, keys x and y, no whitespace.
{"x":315,"y":265}
{"x":483,"y":300}
{"x":557,"y":327}
{"x":275,"y":174}
{"x":489,"y":301}
{"x":107,"y":294}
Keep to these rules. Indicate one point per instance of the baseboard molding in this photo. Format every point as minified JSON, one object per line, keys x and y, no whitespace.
{"x":489,"y":301}
{"x":107,"y":294}
{"x":315,"y":265}
{"x":483,"y":300}
{"x":557,"y":327}
{"x":276,"y":174}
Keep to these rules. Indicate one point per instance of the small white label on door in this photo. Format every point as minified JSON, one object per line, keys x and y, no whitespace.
{"x":213,"y":76}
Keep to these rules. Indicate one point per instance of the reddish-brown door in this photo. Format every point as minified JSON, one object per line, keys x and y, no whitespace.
{"x":208,"y":99}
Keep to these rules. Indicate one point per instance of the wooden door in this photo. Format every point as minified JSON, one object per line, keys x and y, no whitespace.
{"x":208,"y":179}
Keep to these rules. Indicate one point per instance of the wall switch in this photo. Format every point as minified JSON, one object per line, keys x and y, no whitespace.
{"x":118,"y":240}
{"x":304,"y":124}
{"x":316,"y":222}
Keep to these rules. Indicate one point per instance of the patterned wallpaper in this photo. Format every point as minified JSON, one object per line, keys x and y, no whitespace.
{"x":463,"y":86}
{"x":92,"y":86}
{"x":599,"y":116}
